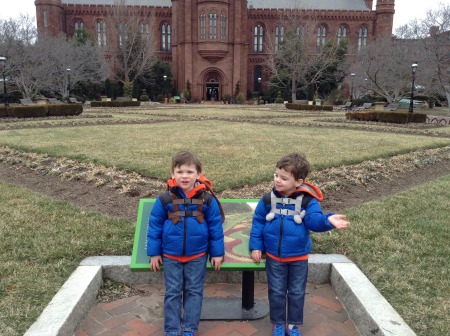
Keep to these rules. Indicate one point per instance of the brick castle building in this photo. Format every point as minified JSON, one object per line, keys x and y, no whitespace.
{"x":216,"y":44}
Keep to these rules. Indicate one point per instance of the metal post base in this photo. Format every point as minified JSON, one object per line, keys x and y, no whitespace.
{"x":231,"y":309}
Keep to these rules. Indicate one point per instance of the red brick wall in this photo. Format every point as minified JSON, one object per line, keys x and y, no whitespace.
{"x":232,"y":60}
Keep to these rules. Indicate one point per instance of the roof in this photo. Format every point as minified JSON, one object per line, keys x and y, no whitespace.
{"x":147,"y":3}
{"x":310,"y":4}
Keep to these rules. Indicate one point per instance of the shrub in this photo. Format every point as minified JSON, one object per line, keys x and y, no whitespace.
{"x":387,"y":117}
{"x":115,"y":103}
{"x":3,"y":112}
{"x":27,"y":111}
{"x":305,"y":107}
{"x":279,"y":99}
{"x":240,"y":98}
{"x":144,"y":96}
{"x":64,"y":109}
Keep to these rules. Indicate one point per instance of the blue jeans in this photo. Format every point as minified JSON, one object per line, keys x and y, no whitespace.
{"x":287,"y":284}
{"x":184,"y":289}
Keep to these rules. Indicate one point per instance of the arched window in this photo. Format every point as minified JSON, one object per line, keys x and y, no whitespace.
{"x":212,"y":26}
{"x":123,"y":28}
{"x":321,"y":37}
{"x":101,"y":33}
{"x":223,"y":26}
{"x":300,"y":30}
{"x":341,"y":33}
{"x":79,"y":25}
{"x":362,"y":37}
{"x":202,"y":26}
{"x":279,"y":36}
{"x":258,"y":38}
{"x":166,"y":43}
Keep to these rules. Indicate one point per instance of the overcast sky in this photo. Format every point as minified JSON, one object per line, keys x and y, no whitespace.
{"x":405,"y":10}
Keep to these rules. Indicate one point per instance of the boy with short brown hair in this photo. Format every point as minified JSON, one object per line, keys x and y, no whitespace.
{"x":281,"y":227}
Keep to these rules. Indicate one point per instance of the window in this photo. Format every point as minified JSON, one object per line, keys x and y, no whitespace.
{"x":279,"y":36}
{"x":258,"y":36}
{"x":166,"y":43}
{"x":213,"y":26}
{"x":122,"y":33}
{"x":202,"y":26}
{"x":300,"y":31}
{"x":144,"y":29}
{"x":362,"y":37}
{"x":341,"y":33}
{"x":321,"y":37}
{"x":101,"y":33}
{"x":79,"y":25}
{"x":223,"y":26}
{"x":45,"y":19}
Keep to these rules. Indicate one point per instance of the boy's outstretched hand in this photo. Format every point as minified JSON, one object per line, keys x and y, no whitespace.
{"x":216,"y":262}
{"x":339,"y":221}
{"x":155,"y":261}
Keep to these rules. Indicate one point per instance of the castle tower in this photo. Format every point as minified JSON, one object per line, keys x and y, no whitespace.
{"x":384,"y":17}
{"x":50,"y":16}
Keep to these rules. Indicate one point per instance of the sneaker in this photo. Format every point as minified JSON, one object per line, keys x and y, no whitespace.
{"x":278,"y":330}
{"x":293,"y":332}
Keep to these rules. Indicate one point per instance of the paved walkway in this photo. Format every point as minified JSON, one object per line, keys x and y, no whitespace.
{"x":143,"y":315}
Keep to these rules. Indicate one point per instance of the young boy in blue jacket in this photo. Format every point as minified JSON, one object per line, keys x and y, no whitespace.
{"x":281,"y":225}
{"x":185,"y":226}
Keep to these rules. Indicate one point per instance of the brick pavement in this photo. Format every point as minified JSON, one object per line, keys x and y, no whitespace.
{"x":142,"y":315}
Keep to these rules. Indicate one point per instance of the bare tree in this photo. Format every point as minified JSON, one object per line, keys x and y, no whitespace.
{"x":294,"y":60}
{"x":133,"y":53}
{"x":384,"y":68}
{"x":17,"y":38}
{"x":432,"y":37}
{"x":68,"y":62}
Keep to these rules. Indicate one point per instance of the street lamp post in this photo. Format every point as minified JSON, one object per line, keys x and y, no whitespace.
{"x":352,"y":75}
{"x":259,"y":89}
{"x":165,"y":89}
{"x":5,"y":90}
{"x":68,"y":81}
{"x":411,"y":102}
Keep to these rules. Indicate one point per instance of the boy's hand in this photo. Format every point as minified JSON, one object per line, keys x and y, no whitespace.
{"x":339,"y":221}
{"x":216,"y":261}
{"x":155,"y":261}
{"x":256,"y":255}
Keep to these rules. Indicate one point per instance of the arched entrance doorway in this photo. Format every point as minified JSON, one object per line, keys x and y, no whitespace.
{"x":212,"y":86}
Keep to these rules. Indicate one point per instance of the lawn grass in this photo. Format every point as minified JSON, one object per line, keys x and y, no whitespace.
{"x":401,"y":243}
{"x":42,"y":242}
{"x":224,"y":147}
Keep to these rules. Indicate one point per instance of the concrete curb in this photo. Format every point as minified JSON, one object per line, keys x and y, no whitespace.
{"x":70,"y":305}
{"x":372,"y":314}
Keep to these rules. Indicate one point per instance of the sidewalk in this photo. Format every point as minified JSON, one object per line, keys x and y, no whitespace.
{"x":143,"y":315}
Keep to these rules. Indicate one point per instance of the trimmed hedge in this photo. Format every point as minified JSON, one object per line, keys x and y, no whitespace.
{"x":304,"y":107}
{"x":115,"y":103}
{"x":387,"y":117}
{"x":39,"y":111}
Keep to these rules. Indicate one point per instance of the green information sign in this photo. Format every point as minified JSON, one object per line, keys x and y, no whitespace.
{"x":238,"y":221}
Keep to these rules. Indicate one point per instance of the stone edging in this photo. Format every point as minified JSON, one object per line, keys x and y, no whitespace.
{"x":370,"y":311}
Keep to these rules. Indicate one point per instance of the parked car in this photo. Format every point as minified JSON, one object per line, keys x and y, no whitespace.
{"x":404,"y":103}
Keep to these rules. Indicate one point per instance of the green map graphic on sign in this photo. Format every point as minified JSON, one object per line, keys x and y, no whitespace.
{"x":237,"y":226}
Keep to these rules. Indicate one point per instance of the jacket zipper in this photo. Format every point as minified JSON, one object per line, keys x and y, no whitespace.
{"x":281,"y":233}
{"x":184,"y":236}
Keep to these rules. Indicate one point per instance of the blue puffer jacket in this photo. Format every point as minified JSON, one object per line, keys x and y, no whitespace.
{"x":282,"y":236}
{"x":187,"y":237}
